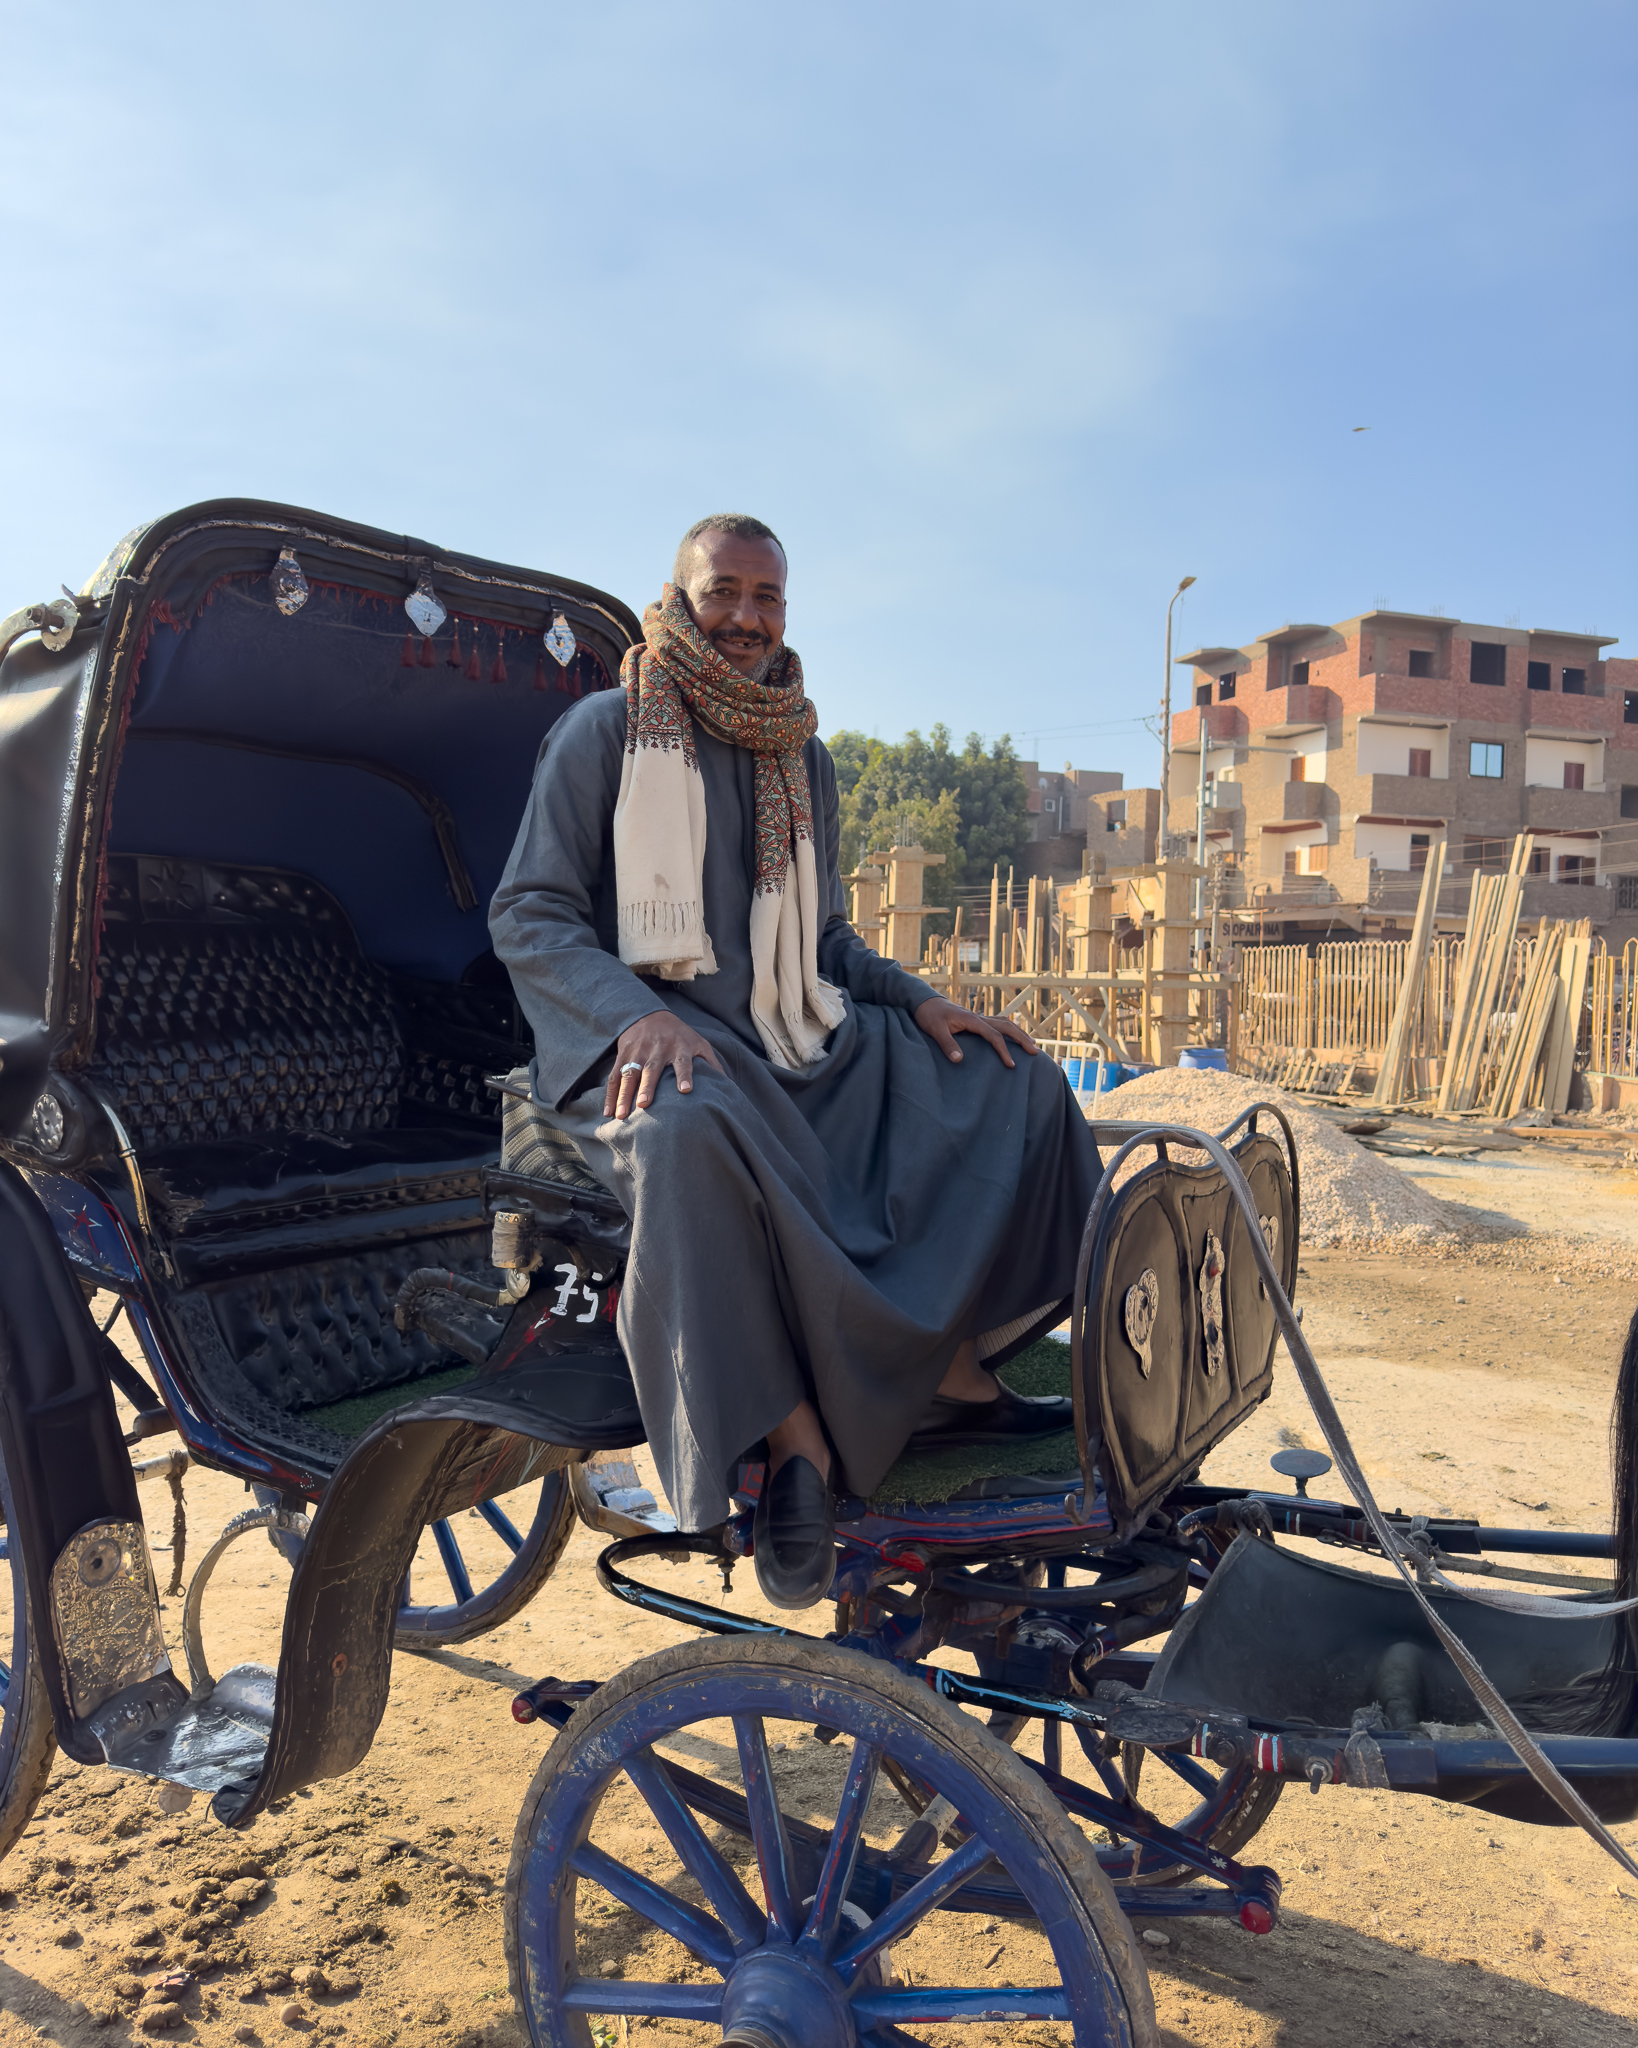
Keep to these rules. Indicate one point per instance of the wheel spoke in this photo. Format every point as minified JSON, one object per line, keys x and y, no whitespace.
{"x":1189,"y":1771}
{"x":1052,"y":1746}
{"x":746,"y":1924}
{"x":773,"y":1848}
{"x":897,"y":1919}
{"x":697,"y":1931}
{"x":642,"y":2001}
{"x":931,"y":2002}
{"x":1114,"y":1784}
{"x":836,"y":1875}
{"x":454,"y":1564}
{"x":502,"y":1524}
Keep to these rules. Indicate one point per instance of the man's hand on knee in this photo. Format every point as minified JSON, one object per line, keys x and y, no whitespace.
{"x":644,"y":1051}
{"x":941,"y":1020}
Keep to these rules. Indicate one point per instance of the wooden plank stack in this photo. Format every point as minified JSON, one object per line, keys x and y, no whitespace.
{"x":1492,"y":925}
{"x":1390,"y":1081}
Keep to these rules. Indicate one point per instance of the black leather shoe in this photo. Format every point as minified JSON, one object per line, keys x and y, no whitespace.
{"x":793,"y":1538}
{"x":951,"y":1425}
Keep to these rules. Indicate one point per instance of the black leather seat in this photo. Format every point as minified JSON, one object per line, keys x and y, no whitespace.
{"x":263,"y":1069}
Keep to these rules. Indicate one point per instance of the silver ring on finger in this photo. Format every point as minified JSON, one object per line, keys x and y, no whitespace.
{"x":632,"y":1067}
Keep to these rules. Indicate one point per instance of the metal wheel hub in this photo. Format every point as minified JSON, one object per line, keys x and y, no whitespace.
{"x":776,"y":1998}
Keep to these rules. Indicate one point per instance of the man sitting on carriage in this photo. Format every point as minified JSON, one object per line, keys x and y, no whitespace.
{"x":838,"y":1221}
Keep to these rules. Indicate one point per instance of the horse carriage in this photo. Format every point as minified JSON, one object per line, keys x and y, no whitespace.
{"x":263,"y":1082}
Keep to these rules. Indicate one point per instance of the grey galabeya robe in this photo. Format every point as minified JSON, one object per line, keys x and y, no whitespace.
{"x":834,"y":1231}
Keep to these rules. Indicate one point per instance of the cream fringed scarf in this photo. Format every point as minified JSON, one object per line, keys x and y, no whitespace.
{"x":659,"y":827}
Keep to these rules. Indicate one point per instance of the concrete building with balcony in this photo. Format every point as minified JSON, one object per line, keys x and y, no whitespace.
{"x":1084,"y":810}
{"x":1336,"y":754}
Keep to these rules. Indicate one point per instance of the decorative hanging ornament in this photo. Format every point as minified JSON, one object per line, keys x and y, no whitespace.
{"x":289,"y":584}
{"x":426,"y":613}
{"x":560,"y":641}
{"x":407,"y":656}
{"x":498,"y":673}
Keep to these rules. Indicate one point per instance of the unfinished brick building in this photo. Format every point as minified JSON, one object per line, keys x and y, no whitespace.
{"x":1086,"y":810}
{"x":1335,"y":755}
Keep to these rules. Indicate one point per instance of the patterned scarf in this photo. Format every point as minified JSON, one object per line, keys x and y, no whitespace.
{"x":659,"y":827}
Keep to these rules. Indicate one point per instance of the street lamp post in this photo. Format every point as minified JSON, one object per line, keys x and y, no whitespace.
{"x":1166,"y":726}
{"x":1200,"y":834}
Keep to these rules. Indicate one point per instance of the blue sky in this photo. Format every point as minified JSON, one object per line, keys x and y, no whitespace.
{"x":1005,"y":317}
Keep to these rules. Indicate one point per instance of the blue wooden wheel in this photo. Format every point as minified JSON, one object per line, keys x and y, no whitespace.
{"x":727,"y":1908}
{"x":469,"y":1597}
{"x":28,"y":1739}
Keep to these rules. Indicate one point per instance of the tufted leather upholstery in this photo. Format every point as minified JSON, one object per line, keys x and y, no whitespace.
{"x":324,"y":1330}
{"x":230,"y":1031}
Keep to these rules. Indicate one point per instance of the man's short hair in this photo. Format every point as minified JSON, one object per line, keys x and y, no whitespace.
{"x":740,"y":524}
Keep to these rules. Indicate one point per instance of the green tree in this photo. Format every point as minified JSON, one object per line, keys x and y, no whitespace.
{"x":970,"y":806}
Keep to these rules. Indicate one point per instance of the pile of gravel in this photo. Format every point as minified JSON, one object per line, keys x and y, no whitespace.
{"x":1349,"y":1196}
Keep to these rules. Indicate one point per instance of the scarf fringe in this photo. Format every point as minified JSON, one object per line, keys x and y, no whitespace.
{"x":658,"y":920}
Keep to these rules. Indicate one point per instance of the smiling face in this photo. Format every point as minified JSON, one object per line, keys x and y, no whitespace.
{"x":735,"y":592}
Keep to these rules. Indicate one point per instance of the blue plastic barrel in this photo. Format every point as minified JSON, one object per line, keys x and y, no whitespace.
{"x":1108,"y":1074}
{"x":1208,"y":1059}
{"x":1072,"y":1072}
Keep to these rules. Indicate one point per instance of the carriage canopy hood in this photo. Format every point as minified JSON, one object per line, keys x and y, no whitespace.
{"x":243,"y":688}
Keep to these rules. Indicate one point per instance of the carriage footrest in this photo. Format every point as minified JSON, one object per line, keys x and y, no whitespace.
{"x":203,"y":1744}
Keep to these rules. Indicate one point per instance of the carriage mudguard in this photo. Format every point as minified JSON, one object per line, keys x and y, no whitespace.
{"x":1178,"y":1343}
{"x":67,"y":1467}
{"x":419,"y":1464}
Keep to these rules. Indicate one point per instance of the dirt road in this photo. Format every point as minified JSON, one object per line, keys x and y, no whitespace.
{"x":1407,"y":1923}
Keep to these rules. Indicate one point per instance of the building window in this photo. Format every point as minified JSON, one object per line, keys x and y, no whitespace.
{"x":1319,"y":858}
{"x":1578,"y":870}
{"x":1480,"y":853}
{"x":1202,"y":693}
{"x":1421,"y":661}
{"x":1575,"y":775}
{"x":1421,"y":762}
{"x":1419,"y":851}
{"x":1626,"y":893}
{"x":1541,"y":861}
{"x":1574,"y":682}
{"x":1539,"y":676}
{"x":1488,"y":663}
{"x":1629,"y":707}
{"x":1290,"y":865}
{"x":1629,"y":799}
{"x":1484,"y":758}
{"x":1225,"y":689}
{"x":1299,"y":675}
{"x":1299,"y":768}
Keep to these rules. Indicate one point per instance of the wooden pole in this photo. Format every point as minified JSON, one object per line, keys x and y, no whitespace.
{"x":1390,"y":1080}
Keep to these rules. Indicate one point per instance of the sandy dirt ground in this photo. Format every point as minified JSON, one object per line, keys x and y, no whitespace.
{"x":1407,"y":1923}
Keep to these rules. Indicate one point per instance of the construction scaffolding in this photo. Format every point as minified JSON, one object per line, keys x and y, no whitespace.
{"x":1106,"y":967}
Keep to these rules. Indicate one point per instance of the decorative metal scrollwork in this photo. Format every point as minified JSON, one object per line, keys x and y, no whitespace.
{"x":1142,"y":1306}
{"x":1270,"y":1226}
{"x":1211,"y":1305}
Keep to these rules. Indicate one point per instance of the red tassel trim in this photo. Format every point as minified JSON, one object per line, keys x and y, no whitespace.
{"x":498,"y":673}
{"x":406,"y":658}
{"x":453,"y":657}
{"x":540,"y":670}
{"x":429,"y":658}
{"x":472,"y":671}
{"x":571,"y":676}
